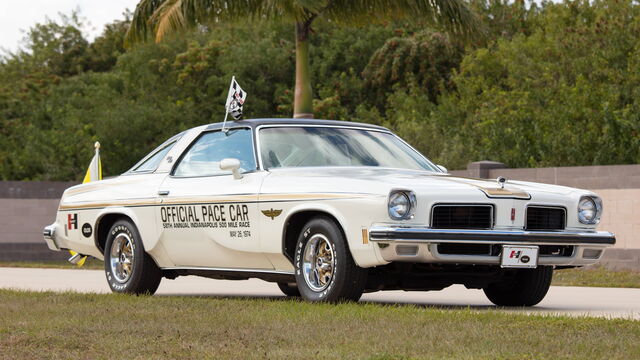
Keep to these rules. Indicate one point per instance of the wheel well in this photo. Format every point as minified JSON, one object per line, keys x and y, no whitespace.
{"x":104,"y":225}
{"x":294,"y":225}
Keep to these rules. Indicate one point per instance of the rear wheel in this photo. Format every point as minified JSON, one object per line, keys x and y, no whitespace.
{"x":129,"y":269}
{"x":289,"y":289}
{"x":527,"y":288}
{"x":324,"y":268}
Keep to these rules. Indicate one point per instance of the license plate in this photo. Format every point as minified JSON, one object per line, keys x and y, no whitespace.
{"x":519,"y":256}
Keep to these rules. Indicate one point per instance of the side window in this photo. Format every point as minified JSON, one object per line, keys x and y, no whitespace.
{"x":204,"y":156}
{"x":152,"y":163}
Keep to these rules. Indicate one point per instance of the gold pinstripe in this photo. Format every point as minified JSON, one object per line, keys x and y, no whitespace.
{"x":220,"y":199}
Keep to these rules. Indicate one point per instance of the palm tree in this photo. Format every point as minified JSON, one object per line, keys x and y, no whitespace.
{"x":158,"y":18}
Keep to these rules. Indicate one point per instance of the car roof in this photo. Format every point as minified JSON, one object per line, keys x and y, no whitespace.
{"x":253,"y":123}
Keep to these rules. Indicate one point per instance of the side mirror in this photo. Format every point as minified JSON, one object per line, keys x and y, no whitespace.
{"x":231,"y":165}
{"x":443,"y":169}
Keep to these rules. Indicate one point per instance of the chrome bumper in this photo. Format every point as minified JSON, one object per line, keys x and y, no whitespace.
{"x":420,"y":234}
{"x":49,"y":237}
{"x":420,"y":244}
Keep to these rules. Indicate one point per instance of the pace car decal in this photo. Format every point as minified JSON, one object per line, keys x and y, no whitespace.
{"x":234,"y":217}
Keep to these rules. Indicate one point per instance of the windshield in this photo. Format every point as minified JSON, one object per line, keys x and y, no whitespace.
{"x":151,"y":161}
{"x":327,"y":146}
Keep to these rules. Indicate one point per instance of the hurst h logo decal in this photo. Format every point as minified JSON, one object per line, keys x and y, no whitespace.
{"x":72,"y":221}
{"x":515,"y":254}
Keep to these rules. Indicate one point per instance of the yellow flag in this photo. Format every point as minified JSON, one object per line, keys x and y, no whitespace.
{"x":94,"y":173}
{"x":81,"y":262}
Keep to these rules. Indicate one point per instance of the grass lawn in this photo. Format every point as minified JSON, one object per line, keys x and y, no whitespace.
{"x":89,"y":326}
{"x":598,"y":276}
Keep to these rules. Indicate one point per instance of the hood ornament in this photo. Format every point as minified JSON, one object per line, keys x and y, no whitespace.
{"x":501,"y":180}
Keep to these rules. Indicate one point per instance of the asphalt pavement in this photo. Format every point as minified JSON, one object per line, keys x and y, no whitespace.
{"x":563,"y":300}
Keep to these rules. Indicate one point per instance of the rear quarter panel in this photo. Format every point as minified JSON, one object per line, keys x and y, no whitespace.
{"x":131,"y":196}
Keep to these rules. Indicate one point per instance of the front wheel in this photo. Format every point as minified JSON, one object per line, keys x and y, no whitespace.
{"x":324,"y":268}
{"x":527,"y":288}
{"x":129,"y":269}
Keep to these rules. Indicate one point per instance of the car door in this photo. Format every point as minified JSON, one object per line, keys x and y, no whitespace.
{"x":208,"y":218}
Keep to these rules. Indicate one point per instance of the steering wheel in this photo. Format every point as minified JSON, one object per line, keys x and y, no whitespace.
{"x":274,"y":159}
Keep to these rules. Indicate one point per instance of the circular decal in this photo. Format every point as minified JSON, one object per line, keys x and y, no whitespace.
{"x":86,"y":230}
{"x":525,"y":259}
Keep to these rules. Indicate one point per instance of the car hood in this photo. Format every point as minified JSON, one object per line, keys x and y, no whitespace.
{"x":379,"y":180}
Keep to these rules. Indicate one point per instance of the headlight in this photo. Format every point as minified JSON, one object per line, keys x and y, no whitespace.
{"x":589,"y":210}
{"x":401,"y":205}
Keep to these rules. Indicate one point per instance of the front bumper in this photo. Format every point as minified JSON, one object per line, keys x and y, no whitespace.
{"x":421,"y":244}
{"x":49,"y":234}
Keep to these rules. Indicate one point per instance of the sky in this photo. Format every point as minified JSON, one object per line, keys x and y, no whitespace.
{"x":16,"y":17}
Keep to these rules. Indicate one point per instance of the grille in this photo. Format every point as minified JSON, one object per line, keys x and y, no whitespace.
{"x":545,"y":218}
{"x":462,"y":217}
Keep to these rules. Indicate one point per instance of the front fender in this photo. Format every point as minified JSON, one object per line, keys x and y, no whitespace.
{"x":354,"y":217}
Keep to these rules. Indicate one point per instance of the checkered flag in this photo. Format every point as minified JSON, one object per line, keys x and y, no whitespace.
{"x":235,"y":99}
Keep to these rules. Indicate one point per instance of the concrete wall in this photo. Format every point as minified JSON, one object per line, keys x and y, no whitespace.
{"x":21,"y":219}
{"x":25,"y":209}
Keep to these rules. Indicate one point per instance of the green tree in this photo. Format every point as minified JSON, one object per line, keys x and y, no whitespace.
{"x":161,"y":17}
{"x":565,"y":94}
{"x":427,"y":57}
{"x":104,"y":51}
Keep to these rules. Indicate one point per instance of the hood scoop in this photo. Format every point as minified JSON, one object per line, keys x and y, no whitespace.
{"x":505,"y":193}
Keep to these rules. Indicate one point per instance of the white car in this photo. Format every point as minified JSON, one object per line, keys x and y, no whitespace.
{"x":328,"y":210}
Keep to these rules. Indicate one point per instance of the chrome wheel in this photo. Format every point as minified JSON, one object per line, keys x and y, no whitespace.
{"x":318,"y":262}
{"x":122,"y":257}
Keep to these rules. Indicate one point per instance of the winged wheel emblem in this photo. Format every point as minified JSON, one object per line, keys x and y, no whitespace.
{"x":272,"y":213}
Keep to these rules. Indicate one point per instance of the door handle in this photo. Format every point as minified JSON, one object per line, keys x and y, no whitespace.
{"x":163,"y":192}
